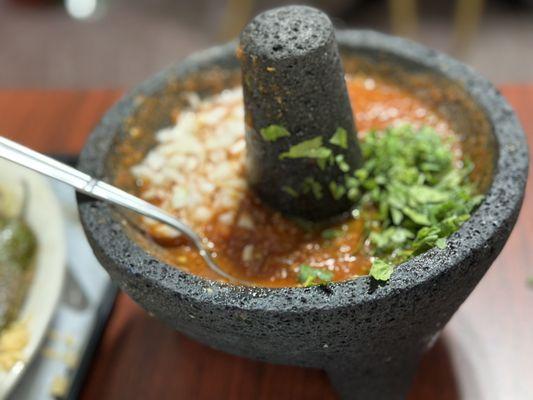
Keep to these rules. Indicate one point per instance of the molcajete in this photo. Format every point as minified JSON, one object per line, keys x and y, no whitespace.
{"x":367,"y":336}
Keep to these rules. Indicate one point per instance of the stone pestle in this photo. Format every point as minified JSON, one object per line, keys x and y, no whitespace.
{"x":300,"y":134}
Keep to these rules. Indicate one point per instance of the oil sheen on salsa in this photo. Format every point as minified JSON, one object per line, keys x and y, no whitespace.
{"x":271,"y":254}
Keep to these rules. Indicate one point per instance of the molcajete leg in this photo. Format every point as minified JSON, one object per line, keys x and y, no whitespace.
{"x":374,"y":378}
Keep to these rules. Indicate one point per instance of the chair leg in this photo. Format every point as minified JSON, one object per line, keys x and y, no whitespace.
{"x":236,"y":14}
{"x":466,"y":23}
{"x":403,"y":17}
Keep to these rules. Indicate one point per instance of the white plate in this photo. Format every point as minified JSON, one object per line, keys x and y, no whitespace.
{"x":43,"y":214}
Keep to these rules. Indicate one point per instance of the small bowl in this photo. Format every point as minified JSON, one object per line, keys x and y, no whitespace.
{"x":368,"y":337}
{"x":44,"y":291}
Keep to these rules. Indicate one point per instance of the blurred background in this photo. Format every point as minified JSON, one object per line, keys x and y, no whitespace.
{"x":117,"y":43}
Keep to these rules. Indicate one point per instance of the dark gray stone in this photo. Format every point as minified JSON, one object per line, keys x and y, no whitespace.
{"x":368,"y":337}
{"x":292,"y":76}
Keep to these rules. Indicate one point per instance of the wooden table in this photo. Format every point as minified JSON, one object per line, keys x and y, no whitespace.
{"x":486,"y":351}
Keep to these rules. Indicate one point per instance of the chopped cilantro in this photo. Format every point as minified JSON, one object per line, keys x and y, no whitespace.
{"x":330,"y":234}
{"x":381,"y":270}
{"x":314,"y":148}
{"x":311,"y":148}
{"x":337,"y":191}
{"x":411,"y":192}
{"x":353,"y":194}
{"x":441,"y":243}
{"x":310,"y":185}
{"x":426,"y":194}
{"x":290,"y":191}
{"x":343,"y":165}
{"x":323,"y":161}
{"x":273,"y":132}
{"x":416,"y":216}
{"x":389,"y":239}
{"x":340,"y":138}
{"x":310,"y":276}
{"x":351,"y":182}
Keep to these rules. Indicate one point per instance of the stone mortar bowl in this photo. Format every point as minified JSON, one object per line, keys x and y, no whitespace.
{"x":368,"y":337}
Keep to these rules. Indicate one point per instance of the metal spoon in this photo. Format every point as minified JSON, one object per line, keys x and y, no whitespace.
{"x":98,"y":189}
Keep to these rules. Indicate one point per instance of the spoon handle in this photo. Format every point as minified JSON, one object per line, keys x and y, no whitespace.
{"x":98,"y":189}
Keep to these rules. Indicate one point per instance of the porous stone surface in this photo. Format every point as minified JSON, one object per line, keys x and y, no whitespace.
{"x":292,"y":76}
{"x":367,"y":336}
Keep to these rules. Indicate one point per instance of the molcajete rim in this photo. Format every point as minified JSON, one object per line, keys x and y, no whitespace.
{"x":489,"y":226}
